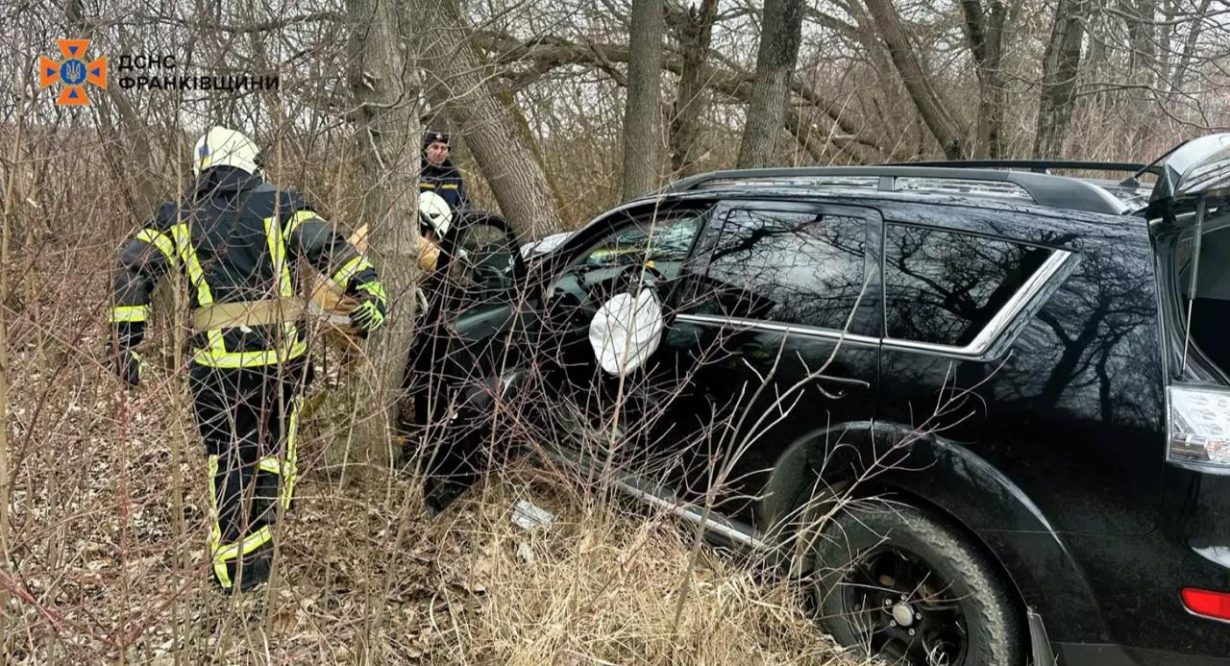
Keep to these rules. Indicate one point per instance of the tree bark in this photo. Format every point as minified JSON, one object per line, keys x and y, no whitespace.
{"x":1189,"y":49}
{"x":984,"y":32}
{"x":933,"y":108}
{"x":386,"y":128}
{"x":695,"y":34}
{"x":457,"y":81}
{"x":781,"y":31}
{"x":642,"y":126}
{"x":1061,"y":64}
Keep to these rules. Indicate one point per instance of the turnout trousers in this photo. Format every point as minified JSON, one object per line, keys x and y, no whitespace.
{"x":247,"y":418}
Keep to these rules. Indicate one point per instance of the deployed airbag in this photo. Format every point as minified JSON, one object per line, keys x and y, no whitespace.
{"x":626,"y":331}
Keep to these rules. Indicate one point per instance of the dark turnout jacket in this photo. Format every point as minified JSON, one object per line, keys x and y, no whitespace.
{"x":236,"y":239}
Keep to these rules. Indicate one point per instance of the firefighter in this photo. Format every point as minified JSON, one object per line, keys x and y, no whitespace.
{"x":439,"y":175}
{"x":237,"y":241}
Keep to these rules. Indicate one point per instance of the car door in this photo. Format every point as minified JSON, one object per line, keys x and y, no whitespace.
{"x":780,"y":323}
{"x":465,"y":304}
{"x":635,"y":250}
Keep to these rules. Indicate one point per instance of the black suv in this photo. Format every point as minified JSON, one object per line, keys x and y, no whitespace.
{"x":982,"y":409}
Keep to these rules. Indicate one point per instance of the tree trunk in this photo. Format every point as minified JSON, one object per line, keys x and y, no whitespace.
{"x":694,"y":36}
{"x":386,"y":124}
{"x":642,"y":129}
{"x":457,"y":81}
{"x":781,"y":31}
{"x":1142,"y":70}
{"x":984,"y":31}
{"x":1060,"y":66}
{"x":1189,"y":48}
{"x":930,"y":104}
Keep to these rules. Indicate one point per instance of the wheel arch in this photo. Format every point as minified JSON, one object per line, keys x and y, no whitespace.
{"x":873,"y":459}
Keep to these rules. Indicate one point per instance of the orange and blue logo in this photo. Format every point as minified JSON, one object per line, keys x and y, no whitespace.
{"x":73,"y":72}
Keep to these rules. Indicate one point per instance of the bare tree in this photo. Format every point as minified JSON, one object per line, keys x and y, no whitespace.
{"x":694,"y":31}
{"x":642,"y":128}
{"x":936,"y":111}
{"x":781,"y":30}
{"x":984,"y":31}
{"x":387,"y":134}
{"x":1060,"y":66}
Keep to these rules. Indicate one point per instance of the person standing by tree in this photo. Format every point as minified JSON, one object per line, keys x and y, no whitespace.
{"x":439,"y":175}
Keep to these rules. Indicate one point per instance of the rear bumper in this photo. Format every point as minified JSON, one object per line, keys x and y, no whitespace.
{"x":1089,"y":654}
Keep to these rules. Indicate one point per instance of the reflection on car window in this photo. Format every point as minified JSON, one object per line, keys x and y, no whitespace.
{"x":944,"y":287}
{"x":798,"y":268}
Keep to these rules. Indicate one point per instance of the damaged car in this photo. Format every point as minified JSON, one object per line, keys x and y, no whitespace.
{"x":980,"y":410}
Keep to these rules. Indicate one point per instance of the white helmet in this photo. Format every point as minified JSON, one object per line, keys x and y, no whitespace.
{"x":225,"y":147}
{"x":435,"y":212}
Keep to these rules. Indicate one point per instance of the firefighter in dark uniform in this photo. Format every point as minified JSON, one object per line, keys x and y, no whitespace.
{"x":237,"y":241}
{"x":439,"y":175}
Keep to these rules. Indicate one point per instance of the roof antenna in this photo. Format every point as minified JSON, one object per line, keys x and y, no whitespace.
{"x":1201,"y":207}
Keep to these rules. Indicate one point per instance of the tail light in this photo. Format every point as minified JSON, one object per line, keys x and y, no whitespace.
{"x":1207,"y":604}
{"x":1198,"y":425}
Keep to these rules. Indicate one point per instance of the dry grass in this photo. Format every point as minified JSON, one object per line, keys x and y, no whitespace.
{"x":101,"y":572}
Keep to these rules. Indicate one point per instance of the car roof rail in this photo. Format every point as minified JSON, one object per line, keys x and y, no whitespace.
{"x":1042,"y":166}
{"x":1039,"y":188}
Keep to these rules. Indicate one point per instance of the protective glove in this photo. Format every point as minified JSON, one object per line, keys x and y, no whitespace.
{"x":370,"y":313}
{"x":128,"y":367}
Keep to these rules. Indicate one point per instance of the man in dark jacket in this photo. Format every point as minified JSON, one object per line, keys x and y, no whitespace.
{"x":439,"y":175}
{"x":237,"y":240}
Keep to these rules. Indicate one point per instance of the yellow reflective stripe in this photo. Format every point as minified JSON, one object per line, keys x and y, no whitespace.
{"x":248,"y":544}
{"x":292,"y":454}
{"x":250,"y":359}
{"x":375,"y":289}
{"x":158,"y":240}
{"x":342,"y":277}
{"x":277,"y":254}
{"x":270,"y":464}
{"x":281,"y":267}
{"x":426,"y":186}
{"x":129,"y":313}
{"x":215,"y":532}
{"x":295,"y":220}
{"x":196,"y":277}
{"x":187,"y":253}
{"x":449,"y":186}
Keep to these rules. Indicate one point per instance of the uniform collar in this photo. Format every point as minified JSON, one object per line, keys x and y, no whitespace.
{"x":226,"y":178}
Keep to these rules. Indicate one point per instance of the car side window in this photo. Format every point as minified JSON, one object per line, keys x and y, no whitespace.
{"x":791,"y":267}
{"x":660,"y":240}
{"x":944,"y":287}
{"x":663,"y":240}
{"x":484,"y":261}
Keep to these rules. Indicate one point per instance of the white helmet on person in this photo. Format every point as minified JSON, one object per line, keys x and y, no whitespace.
{"x":225,"y":147}
{"x":434,"y":212}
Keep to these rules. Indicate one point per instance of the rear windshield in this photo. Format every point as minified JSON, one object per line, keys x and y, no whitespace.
{"x":1205,"y":300}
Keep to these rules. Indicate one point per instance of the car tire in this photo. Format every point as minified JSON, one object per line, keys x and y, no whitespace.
{"x":872,"y":552}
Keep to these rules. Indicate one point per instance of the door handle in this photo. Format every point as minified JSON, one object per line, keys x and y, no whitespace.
{"x":844,"y":384}
{"x":844,"y":381}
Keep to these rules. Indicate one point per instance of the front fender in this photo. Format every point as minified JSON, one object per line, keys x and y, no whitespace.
{"x":873,"y":459}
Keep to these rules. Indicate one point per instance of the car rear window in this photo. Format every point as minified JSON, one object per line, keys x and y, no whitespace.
{"x":944,"y":287}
